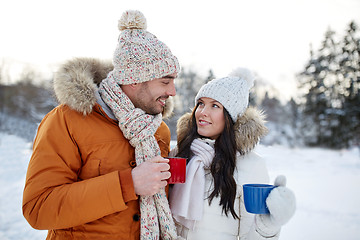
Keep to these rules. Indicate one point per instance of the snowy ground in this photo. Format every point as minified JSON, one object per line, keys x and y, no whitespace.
{"x":325,"y":182}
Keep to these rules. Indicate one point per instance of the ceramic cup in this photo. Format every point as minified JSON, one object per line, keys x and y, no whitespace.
{"x":177,"y":170}
{"x":255,"y":197}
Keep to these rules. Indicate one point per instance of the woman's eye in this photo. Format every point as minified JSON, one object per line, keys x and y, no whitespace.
{"x":215,"y":106}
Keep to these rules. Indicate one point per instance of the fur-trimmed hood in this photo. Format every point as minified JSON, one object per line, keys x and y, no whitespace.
{"x":248,"y":129}
{"x":77,"y":80}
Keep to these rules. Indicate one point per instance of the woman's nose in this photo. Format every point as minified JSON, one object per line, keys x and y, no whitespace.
{"x":204,"y":111}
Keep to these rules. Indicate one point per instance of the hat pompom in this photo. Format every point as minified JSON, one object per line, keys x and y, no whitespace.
{"x":245,"y":74}
{"x":132,"y":19}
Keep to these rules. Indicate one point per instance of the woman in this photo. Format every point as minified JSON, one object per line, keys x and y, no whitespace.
{"x":218,"y":138}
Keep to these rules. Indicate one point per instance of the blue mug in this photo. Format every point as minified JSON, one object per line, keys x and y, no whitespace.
{"x":255,"y":197}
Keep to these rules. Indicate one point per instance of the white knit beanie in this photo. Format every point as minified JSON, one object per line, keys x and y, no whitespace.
{"x":140,"y":56}
{"x":231,"y":91}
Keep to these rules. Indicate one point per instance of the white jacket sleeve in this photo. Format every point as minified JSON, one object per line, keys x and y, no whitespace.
{"x":259,"y":231}
{"x":252,"y":169}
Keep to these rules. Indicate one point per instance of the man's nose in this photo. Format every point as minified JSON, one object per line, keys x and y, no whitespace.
{"x":171,"y":91}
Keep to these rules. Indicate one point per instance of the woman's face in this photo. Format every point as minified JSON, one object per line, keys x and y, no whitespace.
{"x":210,"y":119}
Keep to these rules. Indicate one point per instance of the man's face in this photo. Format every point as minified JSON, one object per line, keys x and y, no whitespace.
{"x":151,"y":95}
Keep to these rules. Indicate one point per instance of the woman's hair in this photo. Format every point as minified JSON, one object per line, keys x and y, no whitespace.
{"x":223,"y":164}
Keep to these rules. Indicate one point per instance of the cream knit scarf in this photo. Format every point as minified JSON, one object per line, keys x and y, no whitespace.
{"x":139,"y":128}
{"x":187,"y":200}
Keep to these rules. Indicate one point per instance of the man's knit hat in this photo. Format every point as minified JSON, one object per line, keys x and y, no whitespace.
{"x":231,"y":91}
{"x":140,"y":56}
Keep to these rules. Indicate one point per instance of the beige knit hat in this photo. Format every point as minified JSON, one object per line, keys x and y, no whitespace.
{"x":232,"y":91}
{"x":139,"y":55}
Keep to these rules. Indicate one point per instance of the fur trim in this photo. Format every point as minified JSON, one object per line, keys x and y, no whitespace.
{"x":77,"y":80}
{"x":169,"y":108}
{"x":183,"y":126}
{"x":248,"y":129}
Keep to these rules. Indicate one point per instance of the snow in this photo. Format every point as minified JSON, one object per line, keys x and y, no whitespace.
{"x":326,"y":185}
{"x":14,"y":158}
{"x":325,"y":182}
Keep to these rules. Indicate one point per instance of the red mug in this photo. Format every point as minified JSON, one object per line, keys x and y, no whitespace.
{"x":177,"y":170}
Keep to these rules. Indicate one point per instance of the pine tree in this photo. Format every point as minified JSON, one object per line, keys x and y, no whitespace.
{"x":331,"y":82}
{"x":318,"y":80}
{"x":350,"y":73}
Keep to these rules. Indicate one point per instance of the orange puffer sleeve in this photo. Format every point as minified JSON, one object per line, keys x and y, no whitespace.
{"x":53,"y":197}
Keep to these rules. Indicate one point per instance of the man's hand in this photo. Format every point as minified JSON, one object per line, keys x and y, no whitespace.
{"x":150,"y":176}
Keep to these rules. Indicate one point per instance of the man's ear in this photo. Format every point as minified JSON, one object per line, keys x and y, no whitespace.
{"x":134,"y":85}
{"x":130,"y":89}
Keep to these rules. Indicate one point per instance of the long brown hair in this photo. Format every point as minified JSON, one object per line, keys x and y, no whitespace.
{"x":223,"y":164}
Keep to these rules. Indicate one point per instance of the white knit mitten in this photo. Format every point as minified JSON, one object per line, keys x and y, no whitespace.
{"x":281,"y":203}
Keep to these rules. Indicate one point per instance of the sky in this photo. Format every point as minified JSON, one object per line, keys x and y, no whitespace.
{"x":272,"y":38}
{"x":325,"y":183}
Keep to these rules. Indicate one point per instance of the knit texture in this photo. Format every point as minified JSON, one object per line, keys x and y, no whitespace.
{"x":281,"y":203}
{"x":232,"y":91}
{"x":187,"y":200}
{"x":139,"y":128}
{"x":139,"y":55}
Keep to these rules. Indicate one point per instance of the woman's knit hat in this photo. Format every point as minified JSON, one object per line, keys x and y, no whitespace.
{"x":231,"y":91}
{"x":140,"y":56}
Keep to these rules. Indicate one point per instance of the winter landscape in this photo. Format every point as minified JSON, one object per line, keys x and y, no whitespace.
{"x":308,"y":84}
{"x":325,"y":183}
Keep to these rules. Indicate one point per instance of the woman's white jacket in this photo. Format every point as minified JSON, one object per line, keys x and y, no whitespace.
{"x":250,"y":168}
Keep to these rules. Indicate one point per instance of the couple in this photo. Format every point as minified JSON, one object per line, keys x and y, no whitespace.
{"x":97,"y":170}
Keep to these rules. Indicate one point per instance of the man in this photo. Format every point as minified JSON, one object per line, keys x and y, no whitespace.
{"x":97,"y":170}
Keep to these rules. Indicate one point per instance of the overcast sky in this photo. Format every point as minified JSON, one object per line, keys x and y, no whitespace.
{"x":269,"y":37}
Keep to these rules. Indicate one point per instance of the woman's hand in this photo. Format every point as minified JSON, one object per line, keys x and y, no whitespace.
{"x":281,"y":203}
